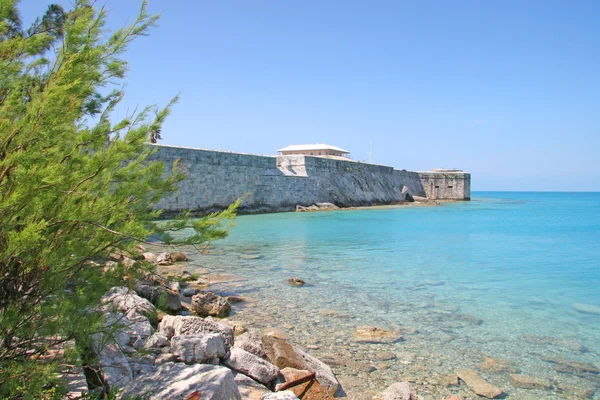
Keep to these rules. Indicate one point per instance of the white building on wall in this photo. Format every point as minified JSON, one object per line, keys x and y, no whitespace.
{"x":319,"y":149}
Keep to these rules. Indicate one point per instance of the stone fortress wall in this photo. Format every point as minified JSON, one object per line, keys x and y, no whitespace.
{"x":215,"y":179}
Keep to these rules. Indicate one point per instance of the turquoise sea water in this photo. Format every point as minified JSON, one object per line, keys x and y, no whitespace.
{"x":497,"y":276}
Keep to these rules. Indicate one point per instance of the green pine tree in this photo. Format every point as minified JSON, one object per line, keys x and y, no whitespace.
{"x":74,"y":184}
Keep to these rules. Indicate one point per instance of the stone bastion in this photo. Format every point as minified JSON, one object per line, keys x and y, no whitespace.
{"x":215,"y":179}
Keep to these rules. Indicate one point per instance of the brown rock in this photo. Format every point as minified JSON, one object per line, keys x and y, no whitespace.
{"x":452,"y":398}
{"x":493,"y":365}
{"x":374,"y":334}
{"x":574,"y":392}
{"x":552,"y":341}
{"x":177,"y":256}
{"x":274,"y":332}
{"x":284,"y":355}
{"x":478,"y":385}
{"x":311,"y":390}
{"x":448,"y":380}
{"x":295,"y":281}
{"x":572,"y":367}
{"x":529,"y":382}
{"x":206,"y":304}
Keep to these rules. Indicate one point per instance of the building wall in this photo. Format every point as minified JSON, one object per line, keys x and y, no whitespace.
{"x":216,"y":179}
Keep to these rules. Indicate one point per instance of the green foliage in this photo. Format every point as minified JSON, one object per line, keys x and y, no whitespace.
{"x":74,"y":185}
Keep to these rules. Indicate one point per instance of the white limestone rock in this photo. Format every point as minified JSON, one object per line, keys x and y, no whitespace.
{"x":113,"y":365}
{"x":164,"y":259}
{"x":249,"y":388}
{"x":122,"y":299}
{"x":189,"y":325}
{"x":284,"y":395}
{"x":251,"y":365}
{"x":252,"y":343}
{"x":141,"y":365}
{"x":156,"y":342}
{"x":198,"y":348}
{"x":177,"y":381}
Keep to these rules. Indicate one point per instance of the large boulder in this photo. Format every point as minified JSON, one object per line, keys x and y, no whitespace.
{"x":252,"y":343}
{"x":127,"y":333}
{"x":122,"y":299}
{"x":397,"y":391}
{"x":206,"y":304}
{"x":283,"y":355}
{"x":113,"y":367}
{"x":251,"y":365}
{"x":249,"y":388}
{"x":141,"y":364}
{"x":189,"y":325}
{"x":177,"y":381}
{"x":204,"y":347}
{"x":159,"y":296}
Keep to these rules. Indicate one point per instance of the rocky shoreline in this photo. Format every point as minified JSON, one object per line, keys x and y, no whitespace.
{"x":198,"y":340}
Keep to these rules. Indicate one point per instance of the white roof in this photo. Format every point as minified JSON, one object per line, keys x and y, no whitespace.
{"x":318,"y":146}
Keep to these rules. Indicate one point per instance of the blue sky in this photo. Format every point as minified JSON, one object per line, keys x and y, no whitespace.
{"x":507,"y":90}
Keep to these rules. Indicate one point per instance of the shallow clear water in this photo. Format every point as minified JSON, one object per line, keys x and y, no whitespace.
{"x":516,"y":261}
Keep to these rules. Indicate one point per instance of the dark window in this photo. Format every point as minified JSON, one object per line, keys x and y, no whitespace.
{"x":437,"y":187}
{"x":449,"y":187}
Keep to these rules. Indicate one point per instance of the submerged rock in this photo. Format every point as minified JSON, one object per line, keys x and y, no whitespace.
{"x":397,"y":391}
{"x":494,"y":365}
{"x":571,"y":367}
{"x":566,"y":344}
{"x":587,"y":308}
{"x":374,"y":334}
{"x":478,"y":385}
{"x":529,"y":382}
{"x":182,"y":381}
{"x":206,"y":304}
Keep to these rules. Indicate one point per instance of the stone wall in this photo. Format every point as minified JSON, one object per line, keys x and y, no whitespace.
{"x":216,"y":179}
{"x":446,"y":185}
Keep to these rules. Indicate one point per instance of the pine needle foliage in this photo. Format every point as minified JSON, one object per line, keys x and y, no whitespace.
{"x":74,"y":184}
